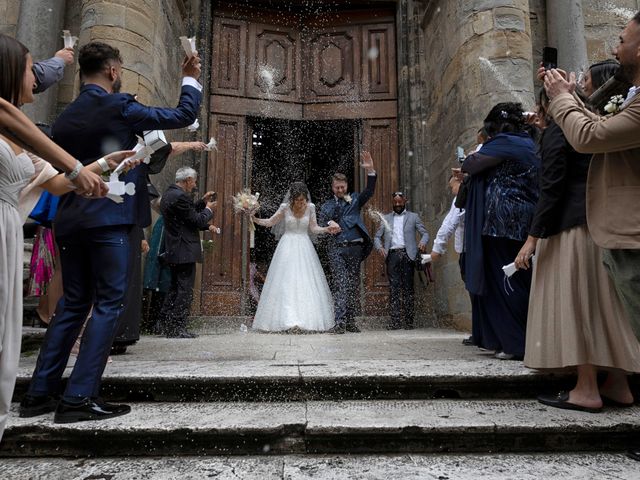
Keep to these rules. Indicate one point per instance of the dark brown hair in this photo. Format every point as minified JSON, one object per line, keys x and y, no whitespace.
{"x":13,"y":62}
{"x":339,"y":177}
{"x":95,"y":56}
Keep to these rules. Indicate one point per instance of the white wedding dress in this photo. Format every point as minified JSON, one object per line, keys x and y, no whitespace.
{"x":295,"y":293}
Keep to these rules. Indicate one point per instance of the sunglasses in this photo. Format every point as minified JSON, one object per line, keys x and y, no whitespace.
{"x":398,"y":194}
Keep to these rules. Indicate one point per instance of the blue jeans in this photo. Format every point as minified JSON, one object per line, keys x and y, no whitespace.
{"x":94,"y":273}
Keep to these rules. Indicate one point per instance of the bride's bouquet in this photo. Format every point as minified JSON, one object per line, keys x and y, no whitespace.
{"x":247,"y":203}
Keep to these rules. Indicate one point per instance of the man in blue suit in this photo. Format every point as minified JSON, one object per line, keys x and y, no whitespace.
{"x":92,"y":235}
{"x":348,"y":248}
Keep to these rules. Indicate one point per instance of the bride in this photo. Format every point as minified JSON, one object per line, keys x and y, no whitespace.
{"x":296,"y":293}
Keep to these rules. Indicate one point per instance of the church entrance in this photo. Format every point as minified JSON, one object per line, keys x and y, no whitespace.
{"x":286,"y":151}
{"x":296,"y":95}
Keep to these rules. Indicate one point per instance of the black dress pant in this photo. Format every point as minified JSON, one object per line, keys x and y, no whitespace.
{"x":129,"y":321}
{"x":400,"y":270}
{"x":177,"y":304}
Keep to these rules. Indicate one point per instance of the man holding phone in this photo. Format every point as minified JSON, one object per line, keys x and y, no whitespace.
{"x":183,"y":221}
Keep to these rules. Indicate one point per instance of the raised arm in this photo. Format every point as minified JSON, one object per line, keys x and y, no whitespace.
{"x":274,"y":220}
{"x":17,"y":127}
{"x":366,"y":162}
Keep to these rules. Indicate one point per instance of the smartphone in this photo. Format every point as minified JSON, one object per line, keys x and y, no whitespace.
{"x":214,"y":197}
{"x":460,"y":154}
{"x":549,"y":58}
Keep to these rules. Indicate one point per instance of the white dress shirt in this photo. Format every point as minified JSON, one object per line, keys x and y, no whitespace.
{"x":397,"y":240}
{"x":452,"y":223}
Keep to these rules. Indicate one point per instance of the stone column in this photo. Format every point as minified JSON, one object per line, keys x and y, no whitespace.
{"x":565,"y":27}
{"x":40,"y":30}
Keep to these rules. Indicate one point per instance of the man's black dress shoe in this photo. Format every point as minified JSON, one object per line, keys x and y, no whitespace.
{"x":337,"y":329}
{"x":469,"y":342}
{"x":393,"y":327}
{"x":409,"y":326}
{"x":352,"y":327}
{"x":88,"y":409}
{"x":118,"y":350}
{"x":31,"y":406}
{"x":561,"y":400}
{"x":184,"y":334}
{"x":634,"y":453}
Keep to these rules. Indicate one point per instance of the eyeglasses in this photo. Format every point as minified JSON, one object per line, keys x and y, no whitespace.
{"x":398,"y":194}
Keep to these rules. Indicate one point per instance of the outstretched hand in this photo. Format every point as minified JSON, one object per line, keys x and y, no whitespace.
{"x":333,"y":228}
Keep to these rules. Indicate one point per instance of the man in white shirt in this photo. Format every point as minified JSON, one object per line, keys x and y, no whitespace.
{"x":453,"y":224}
{"x":400,"y":249}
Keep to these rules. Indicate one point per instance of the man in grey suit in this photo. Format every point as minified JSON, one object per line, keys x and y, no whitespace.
{"x":396,"y":242}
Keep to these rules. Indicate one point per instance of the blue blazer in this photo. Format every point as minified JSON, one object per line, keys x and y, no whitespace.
{"x":351,"y":220}
{"x":97,"y":123}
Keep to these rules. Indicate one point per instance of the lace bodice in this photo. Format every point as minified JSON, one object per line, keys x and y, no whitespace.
{"x":15,"y":173}
{"x":303,"y":225}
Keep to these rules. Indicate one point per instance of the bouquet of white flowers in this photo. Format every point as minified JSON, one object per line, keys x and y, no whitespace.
{"x":246,"y":202}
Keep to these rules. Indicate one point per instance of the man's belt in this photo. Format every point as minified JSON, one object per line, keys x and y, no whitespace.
{"x":358,"y":241}
{"x":402,"y":249}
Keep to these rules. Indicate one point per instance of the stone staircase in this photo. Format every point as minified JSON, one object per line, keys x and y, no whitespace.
{"x":453,"y":402}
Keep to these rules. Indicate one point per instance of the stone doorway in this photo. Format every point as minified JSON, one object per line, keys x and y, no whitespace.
{"x":301,"y":68}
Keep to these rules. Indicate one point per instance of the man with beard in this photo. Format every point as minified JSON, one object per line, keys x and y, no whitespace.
{"x":613,"y":186}
{"x":396,"y":242}
{"x":93,"y":235}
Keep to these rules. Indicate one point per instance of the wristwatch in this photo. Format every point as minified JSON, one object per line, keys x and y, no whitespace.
{"x":73,"y":174}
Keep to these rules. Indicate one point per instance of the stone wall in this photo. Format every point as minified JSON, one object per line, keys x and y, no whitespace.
{"x":9,"y":12}
{"x":603,"y":22}
{"x":475,"y":55}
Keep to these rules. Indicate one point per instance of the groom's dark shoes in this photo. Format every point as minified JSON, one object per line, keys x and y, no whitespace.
{"x":32,"y":406}
{"x":352,"y":327}
{"x":337,"y":329}
{"x":88,"y":409}
{"x":634,"y":453}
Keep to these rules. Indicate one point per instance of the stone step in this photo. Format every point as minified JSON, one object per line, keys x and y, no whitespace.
{"x":349,"y":427}
{"x":568,"y":466}
{"x":263,"y":381}
{"x":226,"y":324}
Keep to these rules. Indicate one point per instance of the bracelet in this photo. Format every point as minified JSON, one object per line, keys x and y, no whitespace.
{"x":73,"y":174}
{"x":103,"y":164}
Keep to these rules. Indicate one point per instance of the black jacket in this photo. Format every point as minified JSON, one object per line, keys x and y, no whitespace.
{"x":182,"y":222}
{"x":563,"y":177}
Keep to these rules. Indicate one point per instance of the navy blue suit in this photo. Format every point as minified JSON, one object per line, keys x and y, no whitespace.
{"x":347,"y":250}
{"x":93,"y":235}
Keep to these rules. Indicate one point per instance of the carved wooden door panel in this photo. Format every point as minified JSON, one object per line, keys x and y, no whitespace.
{"x":272,"y":64}
{"x":222,"y":283}
{"x":380,"y":137}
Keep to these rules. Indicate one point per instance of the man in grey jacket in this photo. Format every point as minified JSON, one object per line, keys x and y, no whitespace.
{"x":396,"y":242}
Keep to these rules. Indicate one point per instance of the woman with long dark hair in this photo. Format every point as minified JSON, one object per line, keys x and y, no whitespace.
{"x":503,"y":191}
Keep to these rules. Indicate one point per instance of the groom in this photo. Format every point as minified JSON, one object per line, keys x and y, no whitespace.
{"x":350,"y":245}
